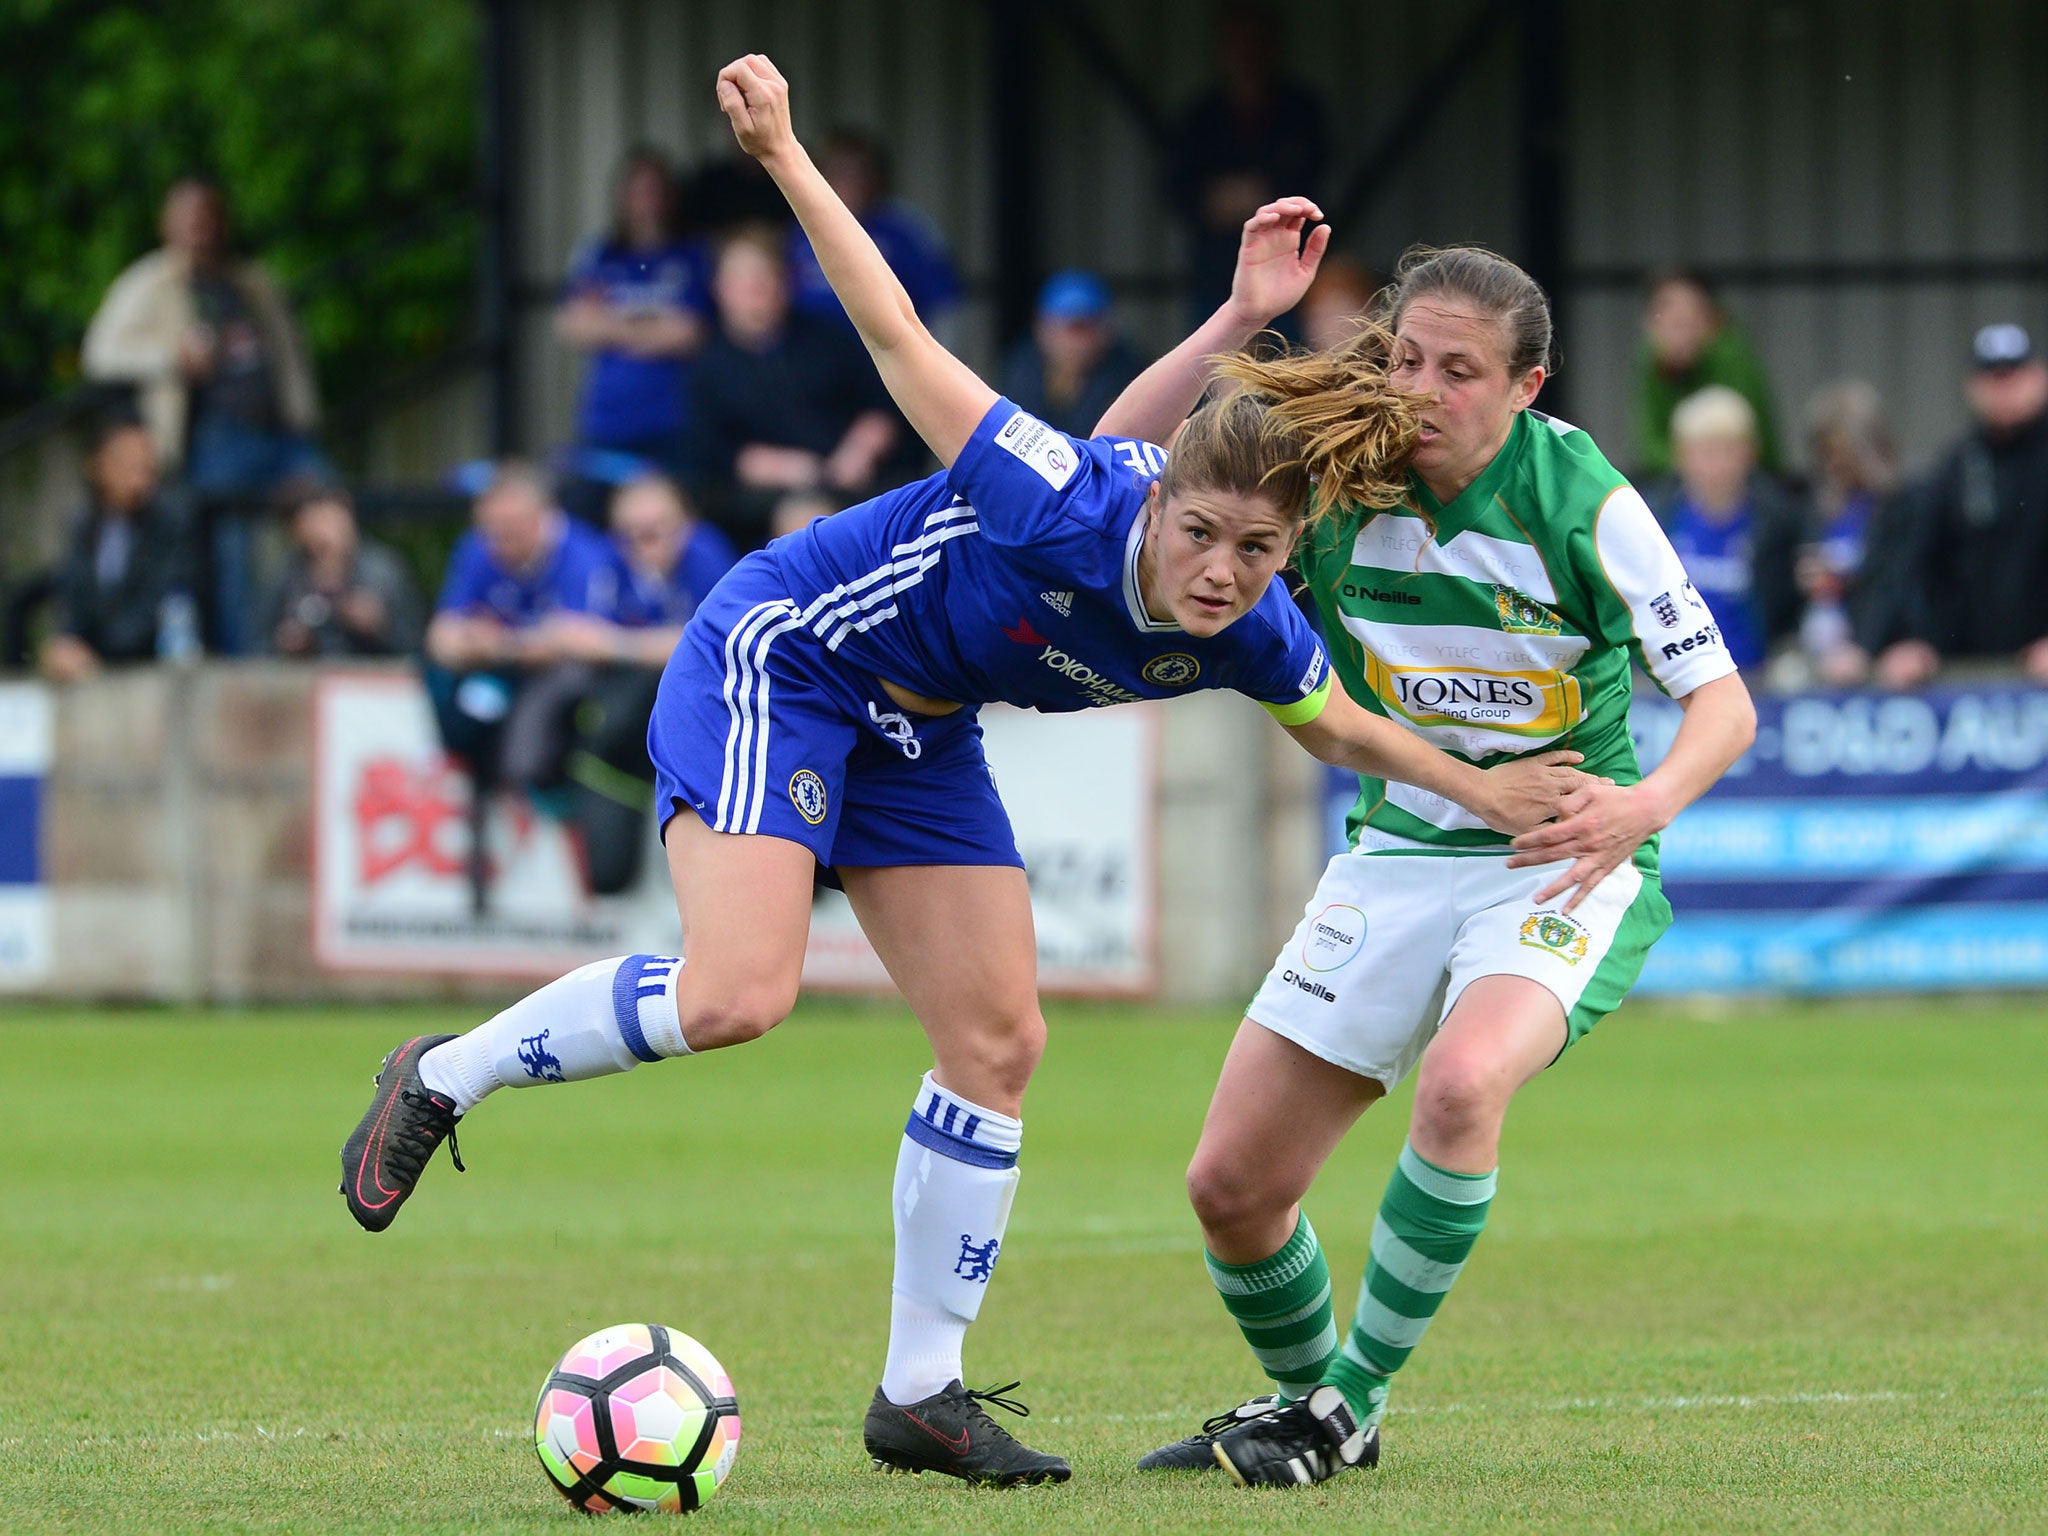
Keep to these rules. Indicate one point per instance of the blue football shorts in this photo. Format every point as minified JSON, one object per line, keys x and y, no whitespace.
{"x":758,"y":728}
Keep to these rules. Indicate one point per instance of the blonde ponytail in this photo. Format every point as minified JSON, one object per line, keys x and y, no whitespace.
{"x":1336,"y":416}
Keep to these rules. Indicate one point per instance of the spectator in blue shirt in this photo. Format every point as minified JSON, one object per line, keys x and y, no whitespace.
{"x":1736,"y":531}
{"x":502,"y":667}
{"x":636,"y":299}
{"x":1074,"y":364}
{"x":857,"y":166}
{"x":664,"y":562}
{"x":665,"y":556}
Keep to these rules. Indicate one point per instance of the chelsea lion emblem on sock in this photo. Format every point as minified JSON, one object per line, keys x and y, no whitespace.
{"x":977,"y":1261}
{"x":807,"y":794}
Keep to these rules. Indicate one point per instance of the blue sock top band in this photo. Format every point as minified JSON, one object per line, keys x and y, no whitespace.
{"x":638,"y":976}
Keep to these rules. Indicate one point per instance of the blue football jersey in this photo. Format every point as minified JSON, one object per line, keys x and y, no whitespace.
{"x":1717,"y":556}
{"x":573,"y":576}
{"x":1013,"y":577}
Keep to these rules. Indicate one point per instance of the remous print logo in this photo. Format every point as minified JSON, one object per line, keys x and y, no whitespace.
{"x":1176,"y":669}
{"x":807,"y":794}
{"x":1556,"y":933}
{"x":1335,"y":936}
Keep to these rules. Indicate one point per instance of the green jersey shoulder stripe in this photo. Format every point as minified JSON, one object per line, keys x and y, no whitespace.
{"x":1506,"y":621}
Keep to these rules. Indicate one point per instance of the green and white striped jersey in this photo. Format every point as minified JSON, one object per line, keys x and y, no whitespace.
{"x":1511,"y":629}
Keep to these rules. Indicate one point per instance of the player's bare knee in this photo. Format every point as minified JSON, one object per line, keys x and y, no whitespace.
{"x":1457,"y":1096}
{"x":1006,"y":1051}
{"x":734,"y":1016}
{"x":1224,"y":1196}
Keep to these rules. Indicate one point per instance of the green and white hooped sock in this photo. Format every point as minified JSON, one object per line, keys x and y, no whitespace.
{"x":1429,"y":1219}
{"x":1282,"y":1306}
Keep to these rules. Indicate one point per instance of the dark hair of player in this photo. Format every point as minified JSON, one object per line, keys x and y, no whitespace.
{"x":1491,"y":284}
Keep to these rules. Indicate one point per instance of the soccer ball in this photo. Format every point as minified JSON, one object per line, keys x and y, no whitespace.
{"x":637,"y":1417}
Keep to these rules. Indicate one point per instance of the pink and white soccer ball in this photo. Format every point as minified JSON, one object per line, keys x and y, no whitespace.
{"x":637,"y":1417}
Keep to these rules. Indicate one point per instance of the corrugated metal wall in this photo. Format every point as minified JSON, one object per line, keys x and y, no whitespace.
{"x":1758,"y":137}
{"x":1892,"y":136}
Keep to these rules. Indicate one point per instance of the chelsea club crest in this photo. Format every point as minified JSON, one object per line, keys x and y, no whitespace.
{"x":1176,"y":669}
{"x":807,"y":794}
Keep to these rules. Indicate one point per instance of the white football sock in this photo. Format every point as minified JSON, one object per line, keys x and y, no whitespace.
{"x":956,"y":1175}
{"x":606,"y":1017}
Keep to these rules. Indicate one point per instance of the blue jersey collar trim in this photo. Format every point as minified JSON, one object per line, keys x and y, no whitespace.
{"x":1133,"y":600}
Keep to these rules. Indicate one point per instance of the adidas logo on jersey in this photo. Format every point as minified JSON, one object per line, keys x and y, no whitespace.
{"x":1061,"y":603}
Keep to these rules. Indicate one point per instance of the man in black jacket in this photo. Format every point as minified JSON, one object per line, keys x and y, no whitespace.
{"x":125,"y":587}
{"x":1962,"y":570}
{"x":783,"y":402}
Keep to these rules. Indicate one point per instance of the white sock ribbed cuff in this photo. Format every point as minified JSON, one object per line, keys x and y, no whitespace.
{"x":959,"y":1119}
{"x":601,"y":1018}
{"x":650,"y":989}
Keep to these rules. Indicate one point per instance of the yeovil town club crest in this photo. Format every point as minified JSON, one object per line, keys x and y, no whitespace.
{"x":1176,"y":669}
{"x":1555,"y":933}
{"x":1521,"y":614}
{"x":807,"y":794}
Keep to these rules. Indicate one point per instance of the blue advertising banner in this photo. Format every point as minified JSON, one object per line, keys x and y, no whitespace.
{"x":25,"y":741}
{"x":1866,"y":842}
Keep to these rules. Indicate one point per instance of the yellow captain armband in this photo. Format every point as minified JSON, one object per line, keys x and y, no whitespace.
{"x":1301,"y":711}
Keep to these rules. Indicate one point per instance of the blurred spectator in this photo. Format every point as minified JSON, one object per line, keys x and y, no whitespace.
{"x":785,"y":401}
{"x":1254,"y":136}
{"x":1074,"y":363}
{"x":637,"y":299}
{"x":222,"y":374}
{"x":212,"y":347}
{"x":124,"y":587}
{"x":1966,"y":576}
{"x":499,"y":669}
{"x":1735,"y":529}
{"x":858,"y":168}
{"x":1689,"y":342}
{"x":664,"y":563}
{"x":341,"y":595}
{"x":1336,"y":301}
{"x":1855,"y":470}
{"x":664,"y":560}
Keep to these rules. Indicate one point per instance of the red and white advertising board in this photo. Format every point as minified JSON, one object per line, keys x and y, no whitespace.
{"x":391,"y":890}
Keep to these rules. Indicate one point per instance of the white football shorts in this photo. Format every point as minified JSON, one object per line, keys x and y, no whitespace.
{"x":1390,"y":940}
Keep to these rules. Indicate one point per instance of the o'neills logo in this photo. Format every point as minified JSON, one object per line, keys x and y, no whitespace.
{"x":1374,"y":594}
{"x":1530,"y":703}
{"x":1312,"y":988}
{"x":1100,"y":690}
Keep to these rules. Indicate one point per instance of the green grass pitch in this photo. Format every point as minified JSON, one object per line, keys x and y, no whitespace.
{"x":1774,"y":1270}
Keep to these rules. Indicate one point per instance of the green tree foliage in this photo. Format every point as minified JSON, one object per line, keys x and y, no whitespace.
{"x":344,"y":132}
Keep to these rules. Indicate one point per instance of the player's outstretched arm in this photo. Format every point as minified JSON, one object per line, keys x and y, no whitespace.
{"x":1274,"y":269}
{"x":1513,"y":797}
{"x":938,"y":394}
